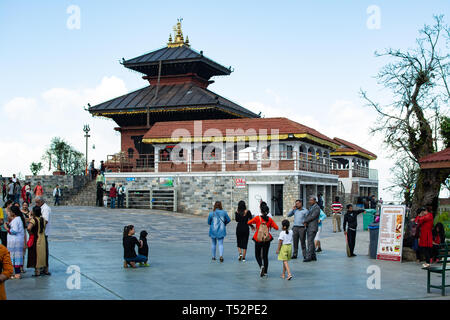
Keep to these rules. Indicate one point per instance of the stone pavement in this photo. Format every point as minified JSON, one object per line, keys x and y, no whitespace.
{"x":181,"y":267}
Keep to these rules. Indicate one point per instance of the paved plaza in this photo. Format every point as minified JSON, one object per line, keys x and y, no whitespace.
{"x":181,"y":267}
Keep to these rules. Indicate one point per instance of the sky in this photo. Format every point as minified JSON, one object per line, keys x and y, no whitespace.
{"x":305,"y":60}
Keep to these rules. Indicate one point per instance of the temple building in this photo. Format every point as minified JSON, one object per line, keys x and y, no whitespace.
{"x":184,"y":147}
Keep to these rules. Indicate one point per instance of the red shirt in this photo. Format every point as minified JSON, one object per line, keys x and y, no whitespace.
{"x":426,"y":230}
{"x":113,"y":192}
{"x":257,"y":220}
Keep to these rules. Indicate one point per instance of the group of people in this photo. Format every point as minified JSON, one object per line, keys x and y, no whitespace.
{"x":93,"y":172}
{"x":24,"y":234}
{"x":13,"y":190}
{"x":114,"y":193}
{"x":307,"y":223}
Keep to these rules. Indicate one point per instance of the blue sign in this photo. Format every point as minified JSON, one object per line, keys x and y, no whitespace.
{"x":131,"y":179}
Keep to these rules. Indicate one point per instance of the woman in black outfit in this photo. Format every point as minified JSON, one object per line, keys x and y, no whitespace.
{"x":242,"y":216}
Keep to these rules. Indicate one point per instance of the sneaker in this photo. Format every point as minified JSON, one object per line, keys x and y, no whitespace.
{"x":294,"y":257}
{"x":261,"y":274}
{"x":145,"y":265}
{"x":214,"y":259}
{"x":221,"y":259}
{"x":243,"y":259}
{"x":240,"y":257}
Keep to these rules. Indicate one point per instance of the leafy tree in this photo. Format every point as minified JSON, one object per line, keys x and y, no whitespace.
{"x":35,"y":168}
{"x":445,"y":131}
{"x":419,"y":93}
{"x":63,"y":156}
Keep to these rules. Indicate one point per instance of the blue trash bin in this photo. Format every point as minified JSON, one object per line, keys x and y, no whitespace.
{"x":374,"y":229}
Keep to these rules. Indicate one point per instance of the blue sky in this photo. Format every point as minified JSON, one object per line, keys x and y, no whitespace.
{"x":304,"y":59}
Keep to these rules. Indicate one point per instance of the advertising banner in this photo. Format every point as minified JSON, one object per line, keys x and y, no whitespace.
{"x":390,"y":239}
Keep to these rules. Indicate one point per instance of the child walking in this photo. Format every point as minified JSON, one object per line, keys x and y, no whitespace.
{"x":284,"y":250}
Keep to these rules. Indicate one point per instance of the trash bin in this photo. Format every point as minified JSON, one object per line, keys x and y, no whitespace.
{"x":368,"y":217}
{"x":374,"y":229}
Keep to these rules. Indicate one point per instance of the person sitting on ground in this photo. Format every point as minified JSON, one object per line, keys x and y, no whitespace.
{"x":129,"y":253}
{"x":143,"y":251}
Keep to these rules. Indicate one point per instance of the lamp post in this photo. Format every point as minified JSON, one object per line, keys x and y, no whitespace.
{"x":86,"y":130}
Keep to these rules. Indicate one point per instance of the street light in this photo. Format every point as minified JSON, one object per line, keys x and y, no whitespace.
{"x":86,"y":130}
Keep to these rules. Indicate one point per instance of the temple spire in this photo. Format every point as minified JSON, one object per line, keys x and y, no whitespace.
{"x":178,"y":38}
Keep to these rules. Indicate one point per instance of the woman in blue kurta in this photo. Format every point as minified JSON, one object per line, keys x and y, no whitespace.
{"x":218,"y":219}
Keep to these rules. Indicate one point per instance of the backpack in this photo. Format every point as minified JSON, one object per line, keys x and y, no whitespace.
{"x":263,"y":232}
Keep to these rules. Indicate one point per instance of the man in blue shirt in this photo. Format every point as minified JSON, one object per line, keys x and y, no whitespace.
{"x":299,"y":230}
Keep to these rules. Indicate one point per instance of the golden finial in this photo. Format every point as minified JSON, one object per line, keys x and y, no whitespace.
{"x":178,"y":39}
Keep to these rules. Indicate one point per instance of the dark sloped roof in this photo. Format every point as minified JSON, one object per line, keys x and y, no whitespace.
{"x":172,"y":55}
{"x":440,"y":156}
{"x":170,"y":96}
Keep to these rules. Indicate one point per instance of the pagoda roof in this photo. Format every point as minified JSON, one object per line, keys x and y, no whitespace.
{"x":236,"y":130}
{"x":148,"y":63}
{"x":171,"y":97}
{"x":350,"y":149}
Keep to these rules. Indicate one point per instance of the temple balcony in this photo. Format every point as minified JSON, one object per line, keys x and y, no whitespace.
{"x":223,"y":162}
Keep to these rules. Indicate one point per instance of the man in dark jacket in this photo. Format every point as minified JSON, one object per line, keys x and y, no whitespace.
{"x":311,"y":223}
{"x":100,"y":190}
{"x":351,"y":219}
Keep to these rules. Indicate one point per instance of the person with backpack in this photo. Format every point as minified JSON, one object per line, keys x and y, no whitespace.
{"x":217,"y":220}
{"x":262,"y":237}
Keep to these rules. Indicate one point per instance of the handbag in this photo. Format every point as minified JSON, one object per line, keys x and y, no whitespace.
{"x":30,"y":241}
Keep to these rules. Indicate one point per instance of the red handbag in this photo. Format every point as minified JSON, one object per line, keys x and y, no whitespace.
{"x":30,"y":241}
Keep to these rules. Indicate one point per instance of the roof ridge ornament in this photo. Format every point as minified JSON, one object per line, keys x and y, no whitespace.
{"x":178,"y":38}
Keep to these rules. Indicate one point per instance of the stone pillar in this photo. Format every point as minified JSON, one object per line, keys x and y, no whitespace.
{"x":157,"y":148}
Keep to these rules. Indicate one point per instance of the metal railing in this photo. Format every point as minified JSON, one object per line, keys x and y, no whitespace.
{"x":218,"y":161}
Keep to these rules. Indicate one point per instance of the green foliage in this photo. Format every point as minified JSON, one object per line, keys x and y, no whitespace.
{"x":445,"y":220}
{"x":62,"y":156}
{"x":445,"y":131}
{"x":35,"y":168}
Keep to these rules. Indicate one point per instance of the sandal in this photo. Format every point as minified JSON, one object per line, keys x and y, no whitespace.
{"x":282,"y":276}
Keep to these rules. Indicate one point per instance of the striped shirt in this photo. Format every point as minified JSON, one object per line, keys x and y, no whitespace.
{"x":336,"y":207}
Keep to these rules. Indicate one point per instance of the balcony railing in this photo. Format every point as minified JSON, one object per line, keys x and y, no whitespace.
{"x":230,"y":161}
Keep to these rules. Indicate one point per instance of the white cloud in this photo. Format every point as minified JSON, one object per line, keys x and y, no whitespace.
{"x":32,"y":122}
{"x":20,"y":107}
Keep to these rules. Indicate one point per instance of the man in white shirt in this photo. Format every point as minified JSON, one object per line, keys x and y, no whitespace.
{"x":46,"y":214}
{"x":57,"y":194}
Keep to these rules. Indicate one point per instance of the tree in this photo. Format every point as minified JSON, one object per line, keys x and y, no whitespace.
{"x":35,"y":168}
{"x":404,"y":177}
{"x":64,"y":157}
{"x":418,"y":82}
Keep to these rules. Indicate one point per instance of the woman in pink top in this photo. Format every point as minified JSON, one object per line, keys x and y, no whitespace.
{"x":38,"y":190}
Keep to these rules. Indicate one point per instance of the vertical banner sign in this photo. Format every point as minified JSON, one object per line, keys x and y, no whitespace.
{"x":239,"y":182}
{"x":390,"y":239}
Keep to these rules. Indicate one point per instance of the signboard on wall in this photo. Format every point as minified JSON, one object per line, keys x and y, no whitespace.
{"x":390,"y":238}
{"x":166,"y":182}
{"x":240,"y":182}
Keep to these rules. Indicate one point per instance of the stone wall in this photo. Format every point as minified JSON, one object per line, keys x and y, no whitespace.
{"x":70,"y":185}
{"x":197,"y":193}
